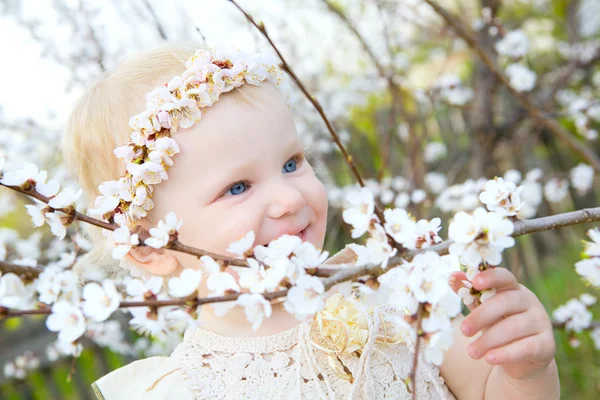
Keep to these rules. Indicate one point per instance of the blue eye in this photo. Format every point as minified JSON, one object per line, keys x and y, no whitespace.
{"x":238,"y":188}
{"x":290,"y":166}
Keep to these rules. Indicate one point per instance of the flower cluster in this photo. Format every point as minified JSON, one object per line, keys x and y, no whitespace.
{"x":424,"y":281}
{"x":576,"y":317}
{"x":22,"y":364}
{"x":29,"y":176}
{"x":177,"y":104}
{"x":589,"y":267}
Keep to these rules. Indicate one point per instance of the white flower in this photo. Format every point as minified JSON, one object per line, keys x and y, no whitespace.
{"x":163,"y":231}
{"x":428,"y":280}
{"x":437,"y":345}
{"x":49,"y":189}
{"x":241,"y":246}
{"x":218,"y":282}
{"x":123,"y":241}
{"x":110,"y":196}
{"x":19,"y":177}
{"x":487,"y":294}
{"x":512,"y":175}
{"x":574,"y":314}
{"x":186,"y":283}
{"x":159,"y":239}
{"x":363,"y":255}
{"x":124,"y":153}
{"x":253,"y":277}
{"x":582,"y":178}
{"x":587,"y":299}
{"x":454,"y":92}
{"x":424,"y":234}
{"x":436,"y":182}
{"x":100,"y":301}
{"x":304,"y":299}
{"x":150,"y":172}
{"x":360,"y":212}
{"x":307,"y":255}
{"x":502,"y":197}
{"x":465,"y":293}
{"x":66,"y":319}
{"x":13,"y":292}
{"x":534,"y":175}
{"x":434,"y":151}
{"x":54,"y":283}
{"x":399,"y":224}
{"x":65,"y":198}
{"x":556,"y":190}
{"x":162,"y":150}
{"x":401,"y":295}
{"x":147,"y":322}
{"x":278,"y":248}
{"x":480,"y":237}
{"x":418,"y":196}
{"x":138,"y":289}
{"x":256,"y":308}
{"x":514,"y":44}
{"x":532,"y":196}
{"x":522,"y":79}
{"x":56,"y":226}
{"x":387,"y":196}
{"x":592,"y":249}
{"x":379,"y":248}
{"x":589,"y":269}
{"x":37,"y":213}
{"x":448,"y":306}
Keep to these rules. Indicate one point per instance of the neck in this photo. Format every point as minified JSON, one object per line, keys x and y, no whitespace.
{"x":235,"y":323}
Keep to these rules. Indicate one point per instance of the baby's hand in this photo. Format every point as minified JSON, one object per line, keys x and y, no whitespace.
{"x":516,"y":330}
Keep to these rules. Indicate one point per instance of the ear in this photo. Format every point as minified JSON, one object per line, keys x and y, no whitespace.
{"x":156,"y":261}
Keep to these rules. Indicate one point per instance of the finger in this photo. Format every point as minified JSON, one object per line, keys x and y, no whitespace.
{"x":455,"y":280}
{"x":535,"y":348}
{"x":494,"y":309}
{"x":506,"y":331}
{"x":498,"y":278}
{"x":456,"y":283}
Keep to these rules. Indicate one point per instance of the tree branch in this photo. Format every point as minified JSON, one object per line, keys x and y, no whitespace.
{"x":534,"y":112}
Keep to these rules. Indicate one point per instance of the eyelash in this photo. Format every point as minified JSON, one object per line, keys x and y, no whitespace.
{"x":298,"y":158}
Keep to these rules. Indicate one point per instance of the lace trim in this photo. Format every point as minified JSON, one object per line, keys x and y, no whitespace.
{"x":246,"y":344}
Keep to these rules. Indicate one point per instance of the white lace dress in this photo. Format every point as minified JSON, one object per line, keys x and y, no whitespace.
{"x":282,"y":366}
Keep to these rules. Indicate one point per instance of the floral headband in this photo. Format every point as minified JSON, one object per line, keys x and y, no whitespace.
{"x":177,"y":104}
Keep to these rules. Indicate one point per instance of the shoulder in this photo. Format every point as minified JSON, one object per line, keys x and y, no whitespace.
{"x":151,"y":378}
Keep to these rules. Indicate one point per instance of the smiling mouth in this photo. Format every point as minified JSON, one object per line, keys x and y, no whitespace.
{"x":301,"y":235}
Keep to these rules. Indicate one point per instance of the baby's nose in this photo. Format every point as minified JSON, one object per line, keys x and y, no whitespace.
{"x":285,"y":199}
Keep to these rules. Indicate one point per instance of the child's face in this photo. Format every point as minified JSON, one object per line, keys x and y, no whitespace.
{"x":242,"y":168}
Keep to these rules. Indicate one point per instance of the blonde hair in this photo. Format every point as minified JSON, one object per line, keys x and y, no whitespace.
{"x":99,"y":123}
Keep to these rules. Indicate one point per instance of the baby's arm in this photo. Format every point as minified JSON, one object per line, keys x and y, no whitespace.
{"x":505,"y":348}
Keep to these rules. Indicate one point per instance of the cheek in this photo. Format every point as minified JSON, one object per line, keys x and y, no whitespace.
{"x":317,"y":200}
{"x":215,"y":228}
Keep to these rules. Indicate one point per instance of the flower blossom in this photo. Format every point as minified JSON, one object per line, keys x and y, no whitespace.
{"x":360,"y":212}
{"x":100,"y":301}
{"x":256,"y":308}
{"x":186,"y":283}
{"x":304,"y":299}
{"x":66,"y":319}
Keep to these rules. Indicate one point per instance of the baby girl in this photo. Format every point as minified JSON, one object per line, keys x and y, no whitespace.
{"x":242,"y":168}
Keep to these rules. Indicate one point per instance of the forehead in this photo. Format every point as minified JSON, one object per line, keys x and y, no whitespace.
{"x":257,"y":126}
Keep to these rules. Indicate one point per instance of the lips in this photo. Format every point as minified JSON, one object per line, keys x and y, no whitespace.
{"x":300,"y":232}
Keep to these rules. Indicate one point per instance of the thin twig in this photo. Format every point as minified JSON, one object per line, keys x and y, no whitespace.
{"x":413,"y":372}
